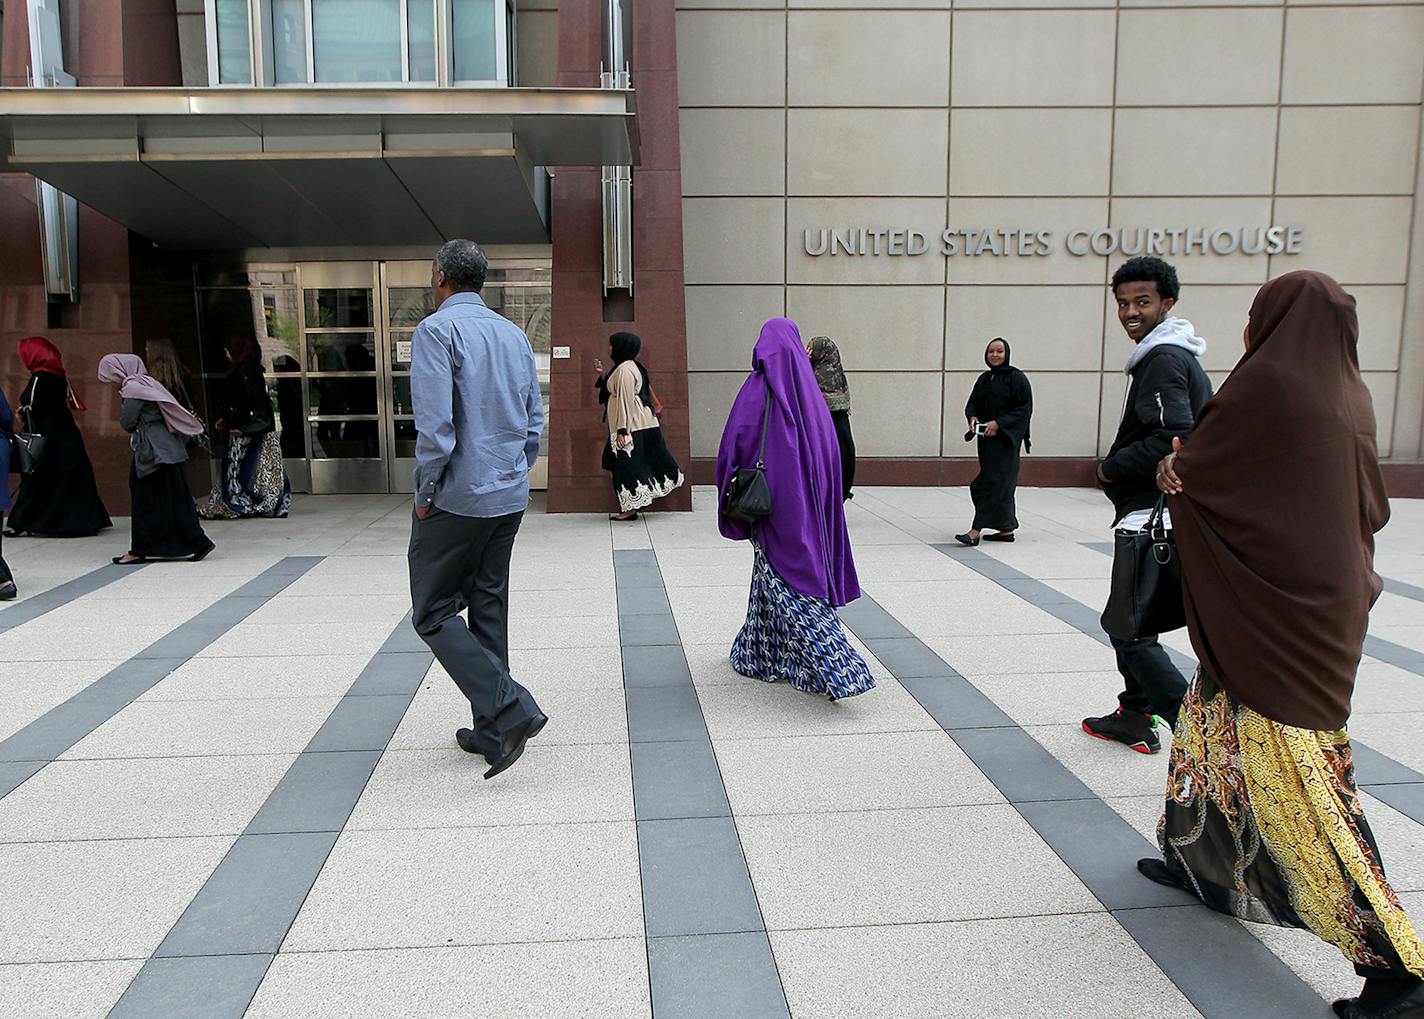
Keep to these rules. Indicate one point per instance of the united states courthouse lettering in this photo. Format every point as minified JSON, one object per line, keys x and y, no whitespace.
{"x":1164,"y":242}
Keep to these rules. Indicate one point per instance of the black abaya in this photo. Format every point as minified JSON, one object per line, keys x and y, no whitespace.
{"x":61,"y":498}
{"x":1001,"y":395}
{"x":165,"y":518}
{"x":841,"y":420}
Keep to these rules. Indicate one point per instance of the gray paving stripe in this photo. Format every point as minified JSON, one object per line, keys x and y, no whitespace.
{"x":1222,"y":970}
{"x":26,"y":609}
{"x":1398,"y":655}
{"x":715,"y":976}
{"x":1372,"y":768}
{"x":708,"y":952}
{"x":215,"y":987}
{"x":1091,"y":838}
{"x":249,"y":902}
{"x":64,"y":725}
{"x":1403,"y":589}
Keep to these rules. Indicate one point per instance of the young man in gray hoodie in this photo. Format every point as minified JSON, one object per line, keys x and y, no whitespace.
{"x":1168,"y":389}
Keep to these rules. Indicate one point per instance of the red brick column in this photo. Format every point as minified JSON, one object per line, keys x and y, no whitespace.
{"x":576,"y":430}
{"x":119,"y":42}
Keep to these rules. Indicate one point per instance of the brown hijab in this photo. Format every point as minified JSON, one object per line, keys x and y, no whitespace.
{"x":1282,"y":497}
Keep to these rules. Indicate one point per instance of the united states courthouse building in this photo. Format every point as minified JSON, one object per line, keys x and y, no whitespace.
{"x":910,"y":178}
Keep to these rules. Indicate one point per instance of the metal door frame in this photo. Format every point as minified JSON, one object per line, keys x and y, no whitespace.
{"x":347,"y":475}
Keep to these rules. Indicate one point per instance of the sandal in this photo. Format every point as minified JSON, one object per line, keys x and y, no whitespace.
{"x":119,"y":560}
{"x":633,"y":515}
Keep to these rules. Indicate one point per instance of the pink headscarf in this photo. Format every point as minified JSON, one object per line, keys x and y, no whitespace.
{"x":136,"y":384}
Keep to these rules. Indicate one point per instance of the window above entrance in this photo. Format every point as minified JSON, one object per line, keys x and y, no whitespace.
{"x":386,"y":43}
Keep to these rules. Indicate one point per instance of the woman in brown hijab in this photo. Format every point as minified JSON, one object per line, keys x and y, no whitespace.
{"x":1276,"y":499}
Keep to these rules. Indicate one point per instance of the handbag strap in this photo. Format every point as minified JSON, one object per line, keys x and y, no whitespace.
{"x":765,"y":419}
{"x":1156,"y":525}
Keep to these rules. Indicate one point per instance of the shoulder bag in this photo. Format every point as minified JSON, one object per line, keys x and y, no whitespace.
{"x":1146,"y":597}
{"x":748,"y":496}
{"x":26,"y":448}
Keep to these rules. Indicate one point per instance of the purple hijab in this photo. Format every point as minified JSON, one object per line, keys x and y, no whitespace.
{"x":805,"y":538}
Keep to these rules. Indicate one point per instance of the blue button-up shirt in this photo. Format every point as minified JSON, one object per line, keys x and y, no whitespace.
{"x":478,"y":410}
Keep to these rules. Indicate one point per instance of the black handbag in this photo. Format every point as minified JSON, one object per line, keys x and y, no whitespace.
{"x":748,"y":496}
{"x":26,"y":448}
{"x":1146,"y":597}
{"x":26,"y":452}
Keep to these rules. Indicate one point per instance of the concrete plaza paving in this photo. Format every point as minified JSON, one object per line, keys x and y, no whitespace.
{"x":231,"y":788}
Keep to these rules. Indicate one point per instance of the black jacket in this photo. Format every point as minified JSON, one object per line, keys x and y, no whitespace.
{"x":1168,"y":389}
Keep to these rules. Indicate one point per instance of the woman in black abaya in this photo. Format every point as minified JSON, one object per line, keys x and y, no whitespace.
{"x":60,"y":499}
{"x":998,"y":411}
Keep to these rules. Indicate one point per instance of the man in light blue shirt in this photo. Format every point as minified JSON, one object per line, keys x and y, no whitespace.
{"x":478,"y":418}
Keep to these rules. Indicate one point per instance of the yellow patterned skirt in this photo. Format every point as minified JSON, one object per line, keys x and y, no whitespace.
{"x":1265,"y":823}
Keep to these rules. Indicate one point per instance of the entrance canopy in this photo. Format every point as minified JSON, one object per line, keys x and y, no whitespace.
{"x":217,"y":168}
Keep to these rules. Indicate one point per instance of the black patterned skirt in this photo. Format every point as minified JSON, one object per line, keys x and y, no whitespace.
{"x":645,"y":471}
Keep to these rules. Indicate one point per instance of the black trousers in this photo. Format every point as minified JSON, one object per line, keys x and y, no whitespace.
{"x":458,"y":563}
{"x":841,"y":420}
{"x":1151,"y":683}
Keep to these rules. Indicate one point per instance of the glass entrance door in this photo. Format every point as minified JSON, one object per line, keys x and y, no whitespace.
{"x":336,"y":340}
{"x":345,"y":362}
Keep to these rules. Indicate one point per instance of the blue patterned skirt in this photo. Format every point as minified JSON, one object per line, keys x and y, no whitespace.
{"x":799,"y":639}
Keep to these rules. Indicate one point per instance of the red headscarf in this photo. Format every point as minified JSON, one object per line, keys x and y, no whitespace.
{"x":243,"y":347}
{"x":40,"y":355}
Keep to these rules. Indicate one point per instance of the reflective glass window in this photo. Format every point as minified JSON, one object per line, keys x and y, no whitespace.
{"x":420,"y":28}
{"x":410,"y":304}
{"x":474,"y":39}
{"x":289,"y":42}
{"x":234,"y":43}
{"x":357,"y":40}
{"x":341,"y":352}
{"x":339,"y":308}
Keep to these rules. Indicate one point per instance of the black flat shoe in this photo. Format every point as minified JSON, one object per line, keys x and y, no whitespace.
{"x":1000,"y":536}
{"x":8,"y":591}
{"x":199,"y":556}
{"x":964,"y":539}
{"x":1409,"y":1005}
{"x":512,"y":743}
{"x":1156,"y":870}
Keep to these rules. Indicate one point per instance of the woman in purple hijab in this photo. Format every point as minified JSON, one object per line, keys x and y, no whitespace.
{"x":803,"y":566}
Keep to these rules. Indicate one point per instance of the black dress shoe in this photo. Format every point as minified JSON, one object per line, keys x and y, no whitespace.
{"x":201,"y":554}
{"x":8,"y":591}
{"x":474,"y":743}
{"x":1000,"y":536}
{"x":964,"y":539}
{"x":512,"y":743}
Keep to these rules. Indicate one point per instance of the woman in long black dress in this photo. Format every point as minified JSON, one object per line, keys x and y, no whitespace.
{"x":165,"y":519}
{"x":60,"y":499}
{"x":830,"y":376}
{"x":7,"y":426}
{"x":998,"y":412}
{"x":642,"y":466}
{"x":253,"y":482}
